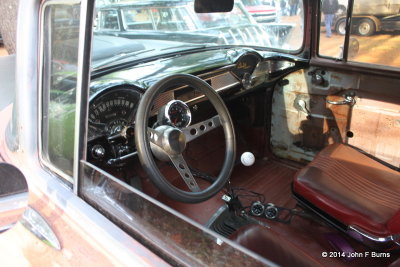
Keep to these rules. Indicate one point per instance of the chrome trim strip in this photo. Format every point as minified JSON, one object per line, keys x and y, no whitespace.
{"x":220,"y":70}
{"x":393,"y":238}
{"x":209,"y":78}
{"x":35,"y":223}
{"x":217,"y":90}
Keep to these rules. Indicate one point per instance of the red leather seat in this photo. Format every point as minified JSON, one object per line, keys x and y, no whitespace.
{"x":353,"y":189}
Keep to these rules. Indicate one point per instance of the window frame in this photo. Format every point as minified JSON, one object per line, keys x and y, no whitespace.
{"x":329,"y":62}
{"x":82,"y":89}
{"x":43,"y":91}
{"x":339,"y":64}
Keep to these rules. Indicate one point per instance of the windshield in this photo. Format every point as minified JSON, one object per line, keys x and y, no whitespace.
{"x":157,"y":27}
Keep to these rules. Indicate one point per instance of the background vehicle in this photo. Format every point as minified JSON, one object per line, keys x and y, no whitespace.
{"x":176,"y":21}
{"x":370,"y":17}
{"x":261,"y":12}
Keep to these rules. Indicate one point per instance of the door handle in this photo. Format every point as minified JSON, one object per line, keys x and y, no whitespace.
{"x":347,"y":99}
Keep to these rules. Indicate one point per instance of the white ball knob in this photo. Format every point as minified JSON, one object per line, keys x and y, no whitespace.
{"x":247,"y":159}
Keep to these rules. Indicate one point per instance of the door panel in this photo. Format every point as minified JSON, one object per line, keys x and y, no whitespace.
{"x":314,"y":107}
{"x":376,"y":129}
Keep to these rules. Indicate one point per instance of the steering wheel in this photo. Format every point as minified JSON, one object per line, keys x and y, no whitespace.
{"x":172,"y":140}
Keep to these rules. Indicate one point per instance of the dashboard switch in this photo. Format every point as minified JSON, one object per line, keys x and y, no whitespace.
{"x":98,"y":152}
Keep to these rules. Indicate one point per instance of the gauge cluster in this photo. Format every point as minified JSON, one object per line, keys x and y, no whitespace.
{"x":111,"y":111}
{"x":111,"y":125}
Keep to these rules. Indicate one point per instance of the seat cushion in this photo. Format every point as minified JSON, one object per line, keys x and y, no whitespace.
{"x":352,"y":188}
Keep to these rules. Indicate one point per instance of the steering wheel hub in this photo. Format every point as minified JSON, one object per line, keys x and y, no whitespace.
{"x":170,"y":140}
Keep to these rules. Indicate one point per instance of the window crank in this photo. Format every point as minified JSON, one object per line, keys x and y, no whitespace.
{"x":303,"y":106}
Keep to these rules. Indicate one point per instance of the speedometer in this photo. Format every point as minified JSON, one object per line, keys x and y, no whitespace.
{"x":111,"y":111}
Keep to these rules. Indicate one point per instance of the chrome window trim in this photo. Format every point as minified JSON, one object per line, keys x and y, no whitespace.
{"x":42,"y":158}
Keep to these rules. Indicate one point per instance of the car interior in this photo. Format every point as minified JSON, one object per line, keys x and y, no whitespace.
{"x":286,"y":157}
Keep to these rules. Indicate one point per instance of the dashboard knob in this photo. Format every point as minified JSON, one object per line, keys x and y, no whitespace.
{"x":98,"y":152}
{"x":246,"y":81}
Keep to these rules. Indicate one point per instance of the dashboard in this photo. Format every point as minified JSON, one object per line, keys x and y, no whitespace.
{"x":112,"y":109}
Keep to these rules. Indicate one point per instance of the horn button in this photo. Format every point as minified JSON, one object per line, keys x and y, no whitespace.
{"x":173,"y":140}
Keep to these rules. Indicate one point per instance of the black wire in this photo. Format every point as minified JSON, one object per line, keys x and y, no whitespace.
{"x":252,"y":194}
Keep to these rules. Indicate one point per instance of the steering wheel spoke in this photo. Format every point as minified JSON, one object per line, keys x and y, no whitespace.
{"x":194,"y":131}
{"x":154,"y":137}
{"x":183,"y":169}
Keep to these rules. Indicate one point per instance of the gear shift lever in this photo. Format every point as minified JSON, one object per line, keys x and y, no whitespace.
{"x":247,"y":159}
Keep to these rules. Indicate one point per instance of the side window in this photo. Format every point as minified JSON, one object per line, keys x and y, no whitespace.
{"x":332,"y":28}
{"x":109,"y":20}
{"x":377,"y":33}
{"x":59,"y":41}
{"x":374,"y":36}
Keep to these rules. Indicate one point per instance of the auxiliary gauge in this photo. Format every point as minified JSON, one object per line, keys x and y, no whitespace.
{"x":175,"y":113}
{"x":257,"y":209}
